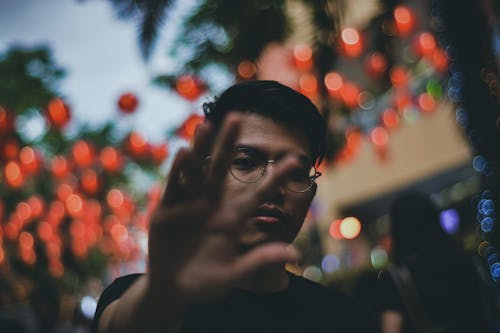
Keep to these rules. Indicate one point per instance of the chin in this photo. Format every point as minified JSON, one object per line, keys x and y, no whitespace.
{"x":250,"y":241}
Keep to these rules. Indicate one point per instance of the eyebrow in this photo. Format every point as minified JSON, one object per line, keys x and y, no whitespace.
{"x":302,"y":157}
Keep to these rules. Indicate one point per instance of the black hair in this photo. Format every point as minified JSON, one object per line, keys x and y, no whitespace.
{"x":276,"y":101}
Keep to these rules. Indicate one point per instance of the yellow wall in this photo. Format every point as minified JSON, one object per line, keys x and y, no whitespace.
{"x":416,"y":150}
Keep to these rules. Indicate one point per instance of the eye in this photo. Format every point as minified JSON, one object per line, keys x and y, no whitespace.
{"x":244,"y":162}
{"x":300,"y":175}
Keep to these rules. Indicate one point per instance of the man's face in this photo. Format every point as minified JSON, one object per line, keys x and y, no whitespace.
{"x":280,"y":216}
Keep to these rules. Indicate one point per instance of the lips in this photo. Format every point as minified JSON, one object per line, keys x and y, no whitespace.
{"x":269,"y":215}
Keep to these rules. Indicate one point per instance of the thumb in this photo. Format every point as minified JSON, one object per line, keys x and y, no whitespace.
{"x":263,"y":256}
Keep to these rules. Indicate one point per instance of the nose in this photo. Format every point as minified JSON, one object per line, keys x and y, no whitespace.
{"x":279,"y":188}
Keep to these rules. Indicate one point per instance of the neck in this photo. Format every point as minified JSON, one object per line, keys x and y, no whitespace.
{"x":267,"y":280}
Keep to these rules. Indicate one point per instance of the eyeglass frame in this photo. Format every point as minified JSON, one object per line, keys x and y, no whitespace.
{"x":312,"y":178}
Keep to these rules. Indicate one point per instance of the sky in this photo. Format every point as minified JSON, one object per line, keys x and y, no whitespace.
{"x":102,"y":59}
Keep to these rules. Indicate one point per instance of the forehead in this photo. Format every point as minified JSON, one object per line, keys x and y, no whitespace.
{"x":271,"y":137}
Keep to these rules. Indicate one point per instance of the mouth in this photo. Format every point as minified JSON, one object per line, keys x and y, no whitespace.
{"x":269,"y":215}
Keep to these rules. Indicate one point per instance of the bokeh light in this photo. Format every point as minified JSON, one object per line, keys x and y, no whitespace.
{"x":379,"y":257}
{"x":351,"y":41}
{"x":350,"y":227}
{"x":334,"y":229}
{"x":330,"y":263}
{"x":449,"y":220}
{"x":313,"y":273}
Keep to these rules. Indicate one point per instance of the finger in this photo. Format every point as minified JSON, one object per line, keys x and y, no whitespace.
{"x":201,"y":149}
{"x":221,"y":155}
{"x":174,"y":189}
{"x":183,"y":215}
{"x":266,"y":255}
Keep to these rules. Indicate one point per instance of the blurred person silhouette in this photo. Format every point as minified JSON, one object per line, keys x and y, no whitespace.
{"x":433,"y":286}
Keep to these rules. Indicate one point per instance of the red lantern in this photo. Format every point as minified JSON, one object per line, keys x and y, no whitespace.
{"x":424,"y":44}
{"x":375,"y":64}
{"x":405,"y":19}
{"x":440,"y":60}
{"x":58,"y":112}
{"x":82,"y":153}
{"x":31,"y":160}
{"x":159,"y":153}
{"x":349,"y":94}
{"x":111,"y":160}
{"x":334,"y":83}
{"x":13,"y":175}
{"x":137,"y":146}
{"x":426,"y":103}
{"x":398,"y":76}
{"x":59,"y":167}
{"x":302,"y":55}
{"x":188,"y":129}
{"x":89,"y":181}
{"x":189,"y":87}
{"x":390,"y":118}
{"x":247,"y":69}
{"x":351,"y":42}
{"x":10,"y":149}
{"x":37,"y":206}
{"x":308,"y":85}
{"x":6,"y":121}
{"x":127,"y":103}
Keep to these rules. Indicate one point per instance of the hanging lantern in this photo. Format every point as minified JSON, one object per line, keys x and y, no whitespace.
{"x":426,"y":103}
{"x":303,"y":57}
{"x":13,"y":175}
{"x":308,"y":85}
{"x":349,"y":94}
{"x":111,"y":160}
{"x":247,"y":70}
{"x":58,"y":113}
{"x":333,"y":83}
{"x":189,"y":126}
{"x":159,"y":153}
{"x":375,"y":64}
{"x":74,"y":205}
{"x":189,"y":87}
{"x":137,"y":146}
{"x":89,"y":181}
{"x":351,"y":42}
{"x":82,"y":153}
{"x":405,"y":19}
{"x":380,"y":139}
{"x":9,"y":149}
{"x":127,"y":103}
{"x":37,"y":206}
{"x":59,"y":167}
{"x":424,"y":44}
{"x":439,"y":60}
{"x":390,"y":118}
{"x":7,"y":121}
{"x":31,"y":160}
{"x":398,"y":76}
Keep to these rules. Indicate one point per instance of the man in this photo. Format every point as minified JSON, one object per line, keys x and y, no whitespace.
{"x":219,"y":240}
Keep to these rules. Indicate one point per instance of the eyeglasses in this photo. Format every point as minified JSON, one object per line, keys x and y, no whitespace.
{"x":248,"y":165}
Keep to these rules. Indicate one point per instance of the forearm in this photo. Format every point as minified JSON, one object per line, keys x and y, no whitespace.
{"x":141,"y":309}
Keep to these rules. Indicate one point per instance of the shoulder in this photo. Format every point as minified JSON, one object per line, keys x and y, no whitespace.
{"x":111,"y":293}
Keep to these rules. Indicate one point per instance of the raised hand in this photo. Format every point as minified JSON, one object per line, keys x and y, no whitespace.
{"x":193,"y":234}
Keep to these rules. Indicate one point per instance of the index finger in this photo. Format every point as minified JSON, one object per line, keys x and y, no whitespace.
{"x":221,"y":154}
